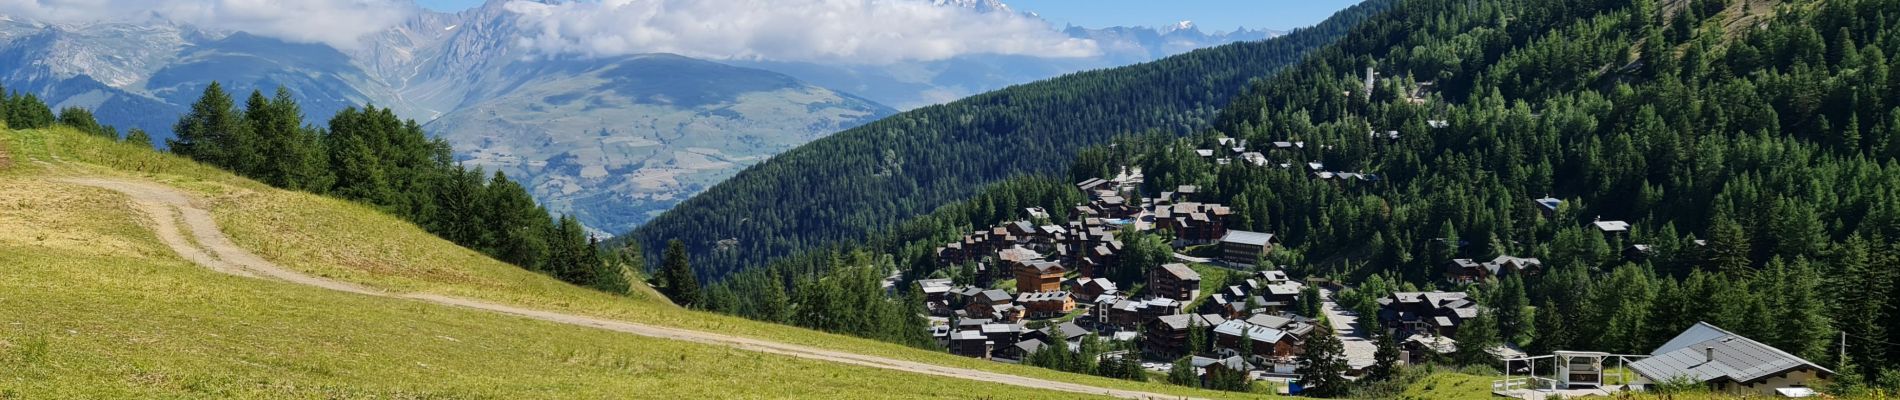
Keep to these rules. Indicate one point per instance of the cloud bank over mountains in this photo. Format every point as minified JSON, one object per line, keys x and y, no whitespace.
{"x":825,"y":31}
{"x":338,"y":23}
{"x":833,"y":31}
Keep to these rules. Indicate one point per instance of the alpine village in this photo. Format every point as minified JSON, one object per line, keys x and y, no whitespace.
{"x":1409,"y":199}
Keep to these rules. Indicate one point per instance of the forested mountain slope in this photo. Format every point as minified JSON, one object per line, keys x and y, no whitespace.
{"x":1750,"y":145}
{"x":856,"y":182}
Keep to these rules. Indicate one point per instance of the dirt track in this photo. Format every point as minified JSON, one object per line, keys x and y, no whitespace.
{"x":209,"y":247}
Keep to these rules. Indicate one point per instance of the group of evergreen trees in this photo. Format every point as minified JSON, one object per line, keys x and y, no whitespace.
{"x":24,"y":110}
{"x":372,"y":156}
{"x":27,"y":111}
{"x":1092,"y":356}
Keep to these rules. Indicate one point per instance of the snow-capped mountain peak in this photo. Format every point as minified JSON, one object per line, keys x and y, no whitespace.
{"x":982,"y":6}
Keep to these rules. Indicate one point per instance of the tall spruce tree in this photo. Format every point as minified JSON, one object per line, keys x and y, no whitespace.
{"x":681,"y":284}
{"x":1510,"y":301}
{"x":213,"y":131}
{"x":292,"y":154}
{"x":1475,"y":338}
{"x":1322,"y":366}
{"x":1729,"y":247}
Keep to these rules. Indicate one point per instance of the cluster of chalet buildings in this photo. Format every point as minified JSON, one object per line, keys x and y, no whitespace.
{"x":1424,"y":323}
{"x":1231,"y":150}
{"x":1058,"y":268}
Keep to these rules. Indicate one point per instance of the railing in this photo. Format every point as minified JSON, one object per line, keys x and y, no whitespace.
{"x":1523,"y":382}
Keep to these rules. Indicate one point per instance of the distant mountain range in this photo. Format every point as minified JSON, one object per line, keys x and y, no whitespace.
{"x":611,"y":140}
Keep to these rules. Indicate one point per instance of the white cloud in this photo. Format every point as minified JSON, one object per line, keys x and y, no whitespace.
{"x":339,"y":23}
{"x":847,"y":31}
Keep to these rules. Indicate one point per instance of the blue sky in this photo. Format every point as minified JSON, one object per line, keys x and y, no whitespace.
{"x":1210,"y":15}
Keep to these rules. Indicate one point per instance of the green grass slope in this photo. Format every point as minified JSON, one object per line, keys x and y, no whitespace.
{"x":93,"y":306}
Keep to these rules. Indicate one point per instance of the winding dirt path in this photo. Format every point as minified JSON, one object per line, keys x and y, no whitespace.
{"x":190,"y":230}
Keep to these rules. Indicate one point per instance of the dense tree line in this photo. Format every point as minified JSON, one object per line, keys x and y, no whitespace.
{"x":372,"y":156}
{"x":861,"y":181}
{"x":850,"y":298}
{"x":27,"y":111}
{"x":24,"y":110}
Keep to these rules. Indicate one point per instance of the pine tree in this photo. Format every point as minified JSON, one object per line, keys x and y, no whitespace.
{"x":681,"y":284}
{"x":517,"y":224}
{"x":139,"y":137}
{"x":1182,"y":373}
{"x":915,"y":327}
{"x":1197,"y":337}
{"x":572,"y":259}
{"x":1475,"y":338}
{"x":213,"y":131}
{"x":719,"y":299}
{"x":292,"y":155}
{"x":82,"y":120}
{"x":1805,"y":330}
{"x":1728,"y":247}
{"x":774,"y":304}
{"x":1510,"y":302}
{"x":1323,"y":365}
{"x":6,"y":105}
{"x":1228,"y":380}
{"x":26,"y":111}
{"x":1386,"y":362}
{"x":1310,"y":301}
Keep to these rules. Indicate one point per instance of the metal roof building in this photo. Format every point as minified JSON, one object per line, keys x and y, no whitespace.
{"x":1728,"y":362}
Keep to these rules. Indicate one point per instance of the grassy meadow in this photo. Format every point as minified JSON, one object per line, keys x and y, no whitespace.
{"x":135,"y":320}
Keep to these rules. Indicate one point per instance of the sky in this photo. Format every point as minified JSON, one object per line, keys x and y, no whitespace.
{"x":825,"y":31}
{"x":1210,"y":15}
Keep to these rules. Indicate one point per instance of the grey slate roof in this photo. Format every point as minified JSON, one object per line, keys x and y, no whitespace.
{"x":1241,"y":328}
{"x":1269,"y":321}
{"x":967,"y":335}
{"x":1029,"y":346}
{"x":1707,"y":353}
{"x":1181,"y":271}
{"x":993,"y":296}
{"x":1234,"y":363}
{"x":1176,"y":322}
{"x":1247,"y":238}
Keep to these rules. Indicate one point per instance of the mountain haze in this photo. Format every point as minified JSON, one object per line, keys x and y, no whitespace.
{"x":672,"y":125}
{"x":856,"y":182}
{"x":610,"y":139}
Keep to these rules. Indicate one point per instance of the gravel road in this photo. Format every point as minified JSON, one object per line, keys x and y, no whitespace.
{"x":175,"y":216}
